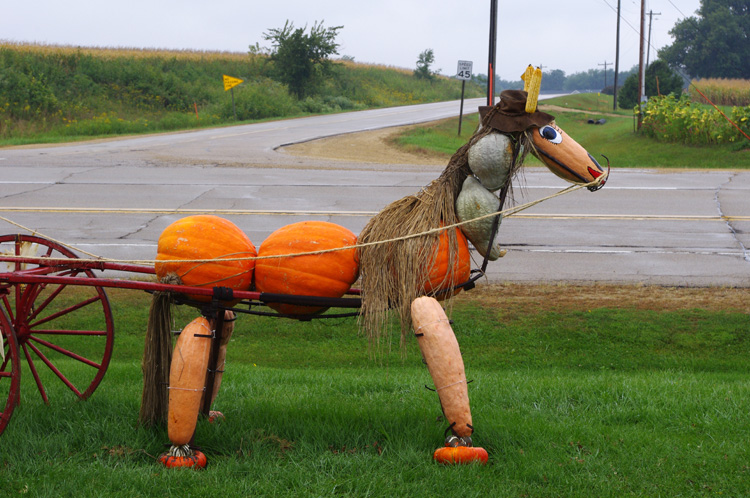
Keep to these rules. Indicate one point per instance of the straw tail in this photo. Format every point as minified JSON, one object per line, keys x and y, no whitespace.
{"x":157,"y":357}
{"x":394,"y":273}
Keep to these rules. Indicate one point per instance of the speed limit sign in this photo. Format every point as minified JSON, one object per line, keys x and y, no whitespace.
{"x":464,"y":70}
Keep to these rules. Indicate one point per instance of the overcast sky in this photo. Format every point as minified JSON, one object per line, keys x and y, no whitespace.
{"x":572,"y":35}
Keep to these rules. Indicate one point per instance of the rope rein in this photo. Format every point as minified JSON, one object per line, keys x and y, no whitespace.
{"x":504,"y":213}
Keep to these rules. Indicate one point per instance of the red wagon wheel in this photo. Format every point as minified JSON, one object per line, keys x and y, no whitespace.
{"x":9,"y":371}
{"x":66,"y":328}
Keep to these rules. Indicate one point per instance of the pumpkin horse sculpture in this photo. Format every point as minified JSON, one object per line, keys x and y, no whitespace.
{"x":409,"y":257}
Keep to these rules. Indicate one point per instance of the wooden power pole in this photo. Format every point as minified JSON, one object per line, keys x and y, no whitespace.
{"x":641,"y":69}
{"x":617,"y":56}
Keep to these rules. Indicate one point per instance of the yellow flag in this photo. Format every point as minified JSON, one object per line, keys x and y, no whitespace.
{"x":231,"y":82}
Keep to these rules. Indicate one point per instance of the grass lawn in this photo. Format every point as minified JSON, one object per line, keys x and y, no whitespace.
{"x":647,"y":394}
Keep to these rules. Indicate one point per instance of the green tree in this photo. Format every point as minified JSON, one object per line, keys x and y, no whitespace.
{"x":301,"y":59}
{"x":552,"y":81}
{"x":424,"y":61}
{"x":715,"y":43}
{"x":660,"y":80}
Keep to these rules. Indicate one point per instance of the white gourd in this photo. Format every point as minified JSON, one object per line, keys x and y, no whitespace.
{"x":472,"y":202}
{"x":490,"y":159}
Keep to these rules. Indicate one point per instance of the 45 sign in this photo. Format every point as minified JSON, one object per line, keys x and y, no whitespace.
{"x":464,"y":70}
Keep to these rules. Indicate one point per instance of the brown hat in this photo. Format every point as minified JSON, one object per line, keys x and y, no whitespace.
{"x":509,"y":115}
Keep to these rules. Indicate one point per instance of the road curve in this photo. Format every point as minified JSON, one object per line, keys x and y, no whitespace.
{"x":113,"y":198}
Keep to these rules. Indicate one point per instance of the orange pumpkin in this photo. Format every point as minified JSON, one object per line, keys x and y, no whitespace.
{"x":460,"y":454}
{"x":441,"y":274}
{"x":193,"y":458}
{"x":329,"y":274}
{"x":206,"y":237}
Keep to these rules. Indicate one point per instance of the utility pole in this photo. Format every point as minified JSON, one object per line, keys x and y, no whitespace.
{"x":651,"y":15}
{"x":605,"y":72}
{"x":641,"y":69}
{"x":617,"y":56}
{"x":492,"y":54}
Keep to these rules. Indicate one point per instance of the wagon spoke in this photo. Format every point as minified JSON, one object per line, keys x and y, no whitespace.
{"x":8,"y":307}
{"x":55,"y":370}
{"x":64,"y":351}
{"x":41,"y":307}
{"x":35,"y":374}
{"x":63,"y":312}
{"x":69,"y":332}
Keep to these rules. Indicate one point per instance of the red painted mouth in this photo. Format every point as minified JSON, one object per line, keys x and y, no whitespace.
{"x":594,"y":173}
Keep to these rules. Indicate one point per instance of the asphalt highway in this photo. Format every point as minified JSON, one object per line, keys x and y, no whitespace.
{"x":114,"y":197}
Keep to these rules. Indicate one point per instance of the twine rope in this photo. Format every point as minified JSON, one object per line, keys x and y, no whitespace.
{"x":451,"y":385}
{"x":431,"y":323}
{"x":99,"y":259}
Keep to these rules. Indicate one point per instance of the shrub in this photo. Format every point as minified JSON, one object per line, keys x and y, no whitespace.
{"x":660,"y":80}
{"x":670,"y":119}
{"x":258,"y":100}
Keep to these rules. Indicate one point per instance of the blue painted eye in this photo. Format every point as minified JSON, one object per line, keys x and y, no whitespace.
{"x":550,"y":134}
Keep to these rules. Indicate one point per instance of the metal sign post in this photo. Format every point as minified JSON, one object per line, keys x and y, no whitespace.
{"x":229,"y":83}
{"x":463,"y":72}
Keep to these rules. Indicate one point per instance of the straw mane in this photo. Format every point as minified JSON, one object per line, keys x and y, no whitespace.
{"x":393,"y":274}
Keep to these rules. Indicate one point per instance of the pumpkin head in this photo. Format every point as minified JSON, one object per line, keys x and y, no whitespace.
{"x":460,"y":455}
{"x":564,"y":156}
{"x":445,"y":271}
{"x":206,"y":237}
{"x":329,"y":274}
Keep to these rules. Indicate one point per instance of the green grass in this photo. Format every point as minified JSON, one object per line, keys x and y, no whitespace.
{"x":615,"y":139}
{"x":606,"y":402}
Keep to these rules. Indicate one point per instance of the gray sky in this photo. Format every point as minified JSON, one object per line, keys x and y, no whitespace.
{"x":572,"y":35}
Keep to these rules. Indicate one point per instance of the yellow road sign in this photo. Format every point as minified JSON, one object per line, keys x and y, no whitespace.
{"x":231,"y":82}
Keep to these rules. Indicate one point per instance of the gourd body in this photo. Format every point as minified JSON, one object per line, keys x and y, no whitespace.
{"x":490,"y":159}
{"x":187,"y":380}
{"x":328,"y":274}
{"x":475,"y":201}
{"x":206,"y":237}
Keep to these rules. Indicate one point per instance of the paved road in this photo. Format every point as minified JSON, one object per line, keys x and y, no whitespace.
{"x":113,"y":198}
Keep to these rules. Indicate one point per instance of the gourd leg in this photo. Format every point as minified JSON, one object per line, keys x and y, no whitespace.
{"x":226,"y":334}
{"x":443,"y":357}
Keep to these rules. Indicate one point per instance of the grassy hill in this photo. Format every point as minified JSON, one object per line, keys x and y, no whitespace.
{"x":59,"y":93}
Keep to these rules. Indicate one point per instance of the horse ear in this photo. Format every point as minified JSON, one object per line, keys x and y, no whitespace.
{"x":564,"y":156}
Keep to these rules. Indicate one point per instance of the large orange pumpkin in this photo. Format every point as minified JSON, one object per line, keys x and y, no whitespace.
{"x":442,"y":274}
{"x":329,"y":274}
{"x":206,"y":237}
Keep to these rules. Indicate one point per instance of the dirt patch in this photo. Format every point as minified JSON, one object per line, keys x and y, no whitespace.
{"x":555,"y":108}
{"x":366,"y":147}
{"x":525,"y":298}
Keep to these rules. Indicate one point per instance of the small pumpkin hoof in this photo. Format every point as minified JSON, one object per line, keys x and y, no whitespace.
{"x":452,"y":455}
{"x":183,"y":456}
{"x":215,"y":416}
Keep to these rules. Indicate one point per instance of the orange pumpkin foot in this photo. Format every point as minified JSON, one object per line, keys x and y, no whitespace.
{"x":215,"y":416}
{"x":183,"y":456}
{"x":460,"y":454}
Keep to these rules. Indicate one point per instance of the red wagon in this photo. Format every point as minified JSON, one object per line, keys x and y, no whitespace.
{"x":43,"y":285}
